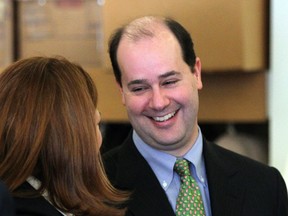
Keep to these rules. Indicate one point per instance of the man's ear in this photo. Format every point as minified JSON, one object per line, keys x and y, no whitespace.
{"x":197,"y":73}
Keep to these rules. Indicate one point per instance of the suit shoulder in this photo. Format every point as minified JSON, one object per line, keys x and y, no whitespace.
{"x":111,"y":155}
{"x":124,"y":151}
{"x":231,"y":159}
{"x":251,"y":173}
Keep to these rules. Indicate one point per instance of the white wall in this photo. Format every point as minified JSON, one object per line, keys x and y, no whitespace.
{"x":278,"y":87}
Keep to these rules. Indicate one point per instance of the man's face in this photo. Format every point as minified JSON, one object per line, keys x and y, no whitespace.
{"x":160,"y":92}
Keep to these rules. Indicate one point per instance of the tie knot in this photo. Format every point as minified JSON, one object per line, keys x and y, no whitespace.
{"x":181,"y":167}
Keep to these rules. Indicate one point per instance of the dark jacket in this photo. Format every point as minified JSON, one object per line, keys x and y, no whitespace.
{"x":6,"y":202}
{"x":238,"y":186}
{"x":33,"y":206}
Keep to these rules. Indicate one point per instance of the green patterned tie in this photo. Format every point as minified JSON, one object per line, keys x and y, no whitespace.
{"x":189,"y":201}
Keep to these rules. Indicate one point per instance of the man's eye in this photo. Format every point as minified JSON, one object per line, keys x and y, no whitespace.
{"x":138,"y":89}
{"x":170,"y":82}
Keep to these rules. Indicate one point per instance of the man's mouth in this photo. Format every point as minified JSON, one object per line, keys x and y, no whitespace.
{"x":164,"y":118}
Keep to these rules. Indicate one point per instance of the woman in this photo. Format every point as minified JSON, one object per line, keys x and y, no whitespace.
{"x":50,"y":140}
{"x":6,"y":202}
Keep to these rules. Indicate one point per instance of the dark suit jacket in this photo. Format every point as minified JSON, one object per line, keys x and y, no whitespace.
{"x":33,"y":206}
{"x":6,"y":202}
{"x":238,"y":186}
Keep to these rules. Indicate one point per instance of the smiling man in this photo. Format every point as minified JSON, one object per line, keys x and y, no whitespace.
{"x":159,"y":90}
{"x":159,"y":76}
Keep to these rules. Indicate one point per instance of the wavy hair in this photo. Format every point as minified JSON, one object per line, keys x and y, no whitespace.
{"x":48,"y":130}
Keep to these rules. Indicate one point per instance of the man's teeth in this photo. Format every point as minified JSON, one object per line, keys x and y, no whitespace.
{"x":164,"y":118}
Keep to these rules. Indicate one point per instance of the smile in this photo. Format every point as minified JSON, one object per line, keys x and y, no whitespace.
{"x":164,"y":118}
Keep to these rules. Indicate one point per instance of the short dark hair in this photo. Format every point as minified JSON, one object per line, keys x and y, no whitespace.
{"x":182,"y":35}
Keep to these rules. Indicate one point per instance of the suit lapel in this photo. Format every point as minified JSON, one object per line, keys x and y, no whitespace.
{"x":225,"y":196}
{"x":149,"y":198}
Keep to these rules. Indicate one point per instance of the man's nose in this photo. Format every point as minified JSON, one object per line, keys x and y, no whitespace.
{"x":159,"y":99}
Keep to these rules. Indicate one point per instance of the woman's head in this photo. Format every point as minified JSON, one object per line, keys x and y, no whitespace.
{"x":49,"y":128}
{"x":47,"y":114}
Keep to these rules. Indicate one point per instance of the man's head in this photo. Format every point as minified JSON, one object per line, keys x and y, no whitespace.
{"x":159,"y":76}
{"x":143,"y":27}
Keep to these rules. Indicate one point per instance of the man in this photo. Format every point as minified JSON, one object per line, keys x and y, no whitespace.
{"x":159,"y":77}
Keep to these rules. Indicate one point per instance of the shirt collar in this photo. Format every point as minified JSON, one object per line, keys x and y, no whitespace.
{"x":162,"y":163}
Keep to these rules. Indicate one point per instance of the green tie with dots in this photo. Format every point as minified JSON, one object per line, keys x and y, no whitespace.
{"x":189,"y":201}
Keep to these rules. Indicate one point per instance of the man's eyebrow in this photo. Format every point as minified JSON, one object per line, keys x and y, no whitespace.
{"x":168,"y":74}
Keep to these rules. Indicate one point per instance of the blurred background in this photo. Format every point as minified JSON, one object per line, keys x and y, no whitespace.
{"x":242,"y":45}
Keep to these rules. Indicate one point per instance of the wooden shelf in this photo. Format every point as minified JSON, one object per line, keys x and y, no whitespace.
{"x":228,"y":34}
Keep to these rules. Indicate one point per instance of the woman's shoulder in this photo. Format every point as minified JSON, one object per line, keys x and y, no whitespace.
{"x":6,"y":201}
{"x":36,"y":205}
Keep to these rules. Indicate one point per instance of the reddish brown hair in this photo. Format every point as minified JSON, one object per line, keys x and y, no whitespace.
{"x":48,"y":129}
